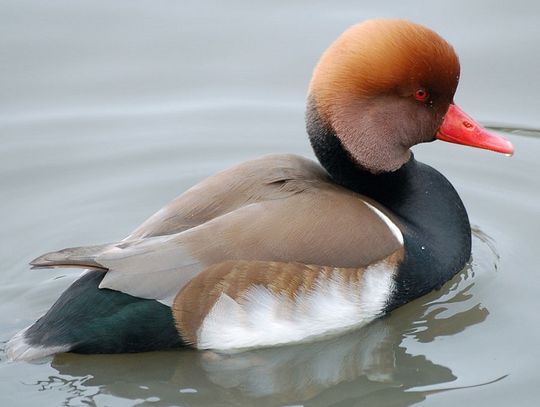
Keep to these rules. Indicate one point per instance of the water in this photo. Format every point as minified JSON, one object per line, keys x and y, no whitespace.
{"x":109,"y":110}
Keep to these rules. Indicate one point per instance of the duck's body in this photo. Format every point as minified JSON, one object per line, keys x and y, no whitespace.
{"x":279,"y":249}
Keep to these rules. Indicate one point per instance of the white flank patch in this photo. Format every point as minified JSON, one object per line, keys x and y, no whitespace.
{"x":267,"y":319}
{"x":18,"y":349}
{"x":391,"y":225}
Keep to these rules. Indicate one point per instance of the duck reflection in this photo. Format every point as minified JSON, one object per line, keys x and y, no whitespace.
{"x":367,"y":366}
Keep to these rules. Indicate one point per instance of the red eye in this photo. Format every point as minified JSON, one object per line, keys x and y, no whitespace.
{"x":421,"y":95}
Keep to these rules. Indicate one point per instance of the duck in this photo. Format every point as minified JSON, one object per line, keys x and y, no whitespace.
{"x":282,"y":249}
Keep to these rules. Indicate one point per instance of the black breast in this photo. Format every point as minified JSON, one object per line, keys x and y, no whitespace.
{"x":435,"y":225}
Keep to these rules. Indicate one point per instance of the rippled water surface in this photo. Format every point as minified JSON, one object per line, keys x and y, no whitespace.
{"x":111,"y":109}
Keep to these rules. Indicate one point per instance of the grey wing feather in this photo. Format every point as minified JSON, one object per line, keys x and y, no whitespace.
{"x":292,"y":214}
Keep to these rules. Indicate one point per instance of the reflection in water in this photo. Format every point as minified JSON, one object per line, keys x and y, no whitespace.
{"x":367,"y":366}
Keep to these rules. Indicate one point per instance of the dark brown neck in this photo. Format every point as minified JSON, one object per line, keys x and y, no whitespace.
{"x":331,"y":153}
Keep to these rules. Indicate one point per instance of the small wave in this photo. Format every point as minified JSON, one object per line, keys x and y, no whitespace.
{"x":513,"y":129}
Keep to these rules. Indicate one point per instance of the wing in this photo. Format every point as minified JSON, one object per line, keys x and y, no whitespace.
{"x":306,"y":220}
{"x":274,"y":176}
{"x":241,"y":304}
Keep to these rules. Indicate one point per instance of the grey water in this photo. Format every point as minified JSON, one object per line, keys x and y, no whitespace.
{"x":108,"y":110}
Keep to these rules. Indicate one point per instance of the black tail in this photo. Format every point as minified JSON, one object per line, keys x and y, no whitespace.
{"x":86,"y":319}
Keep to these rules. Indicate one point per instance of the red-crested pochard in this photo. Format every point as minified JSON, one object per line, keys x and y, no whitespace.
{"x":282,"y":249}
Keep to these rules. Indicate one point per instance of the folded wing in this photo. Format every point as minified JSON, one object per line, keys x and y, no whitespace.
{"x":301,"y":218}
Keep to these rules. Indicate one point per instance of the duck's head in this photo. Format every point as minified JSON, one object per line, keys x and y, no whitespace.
{"x":384,"y":86}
